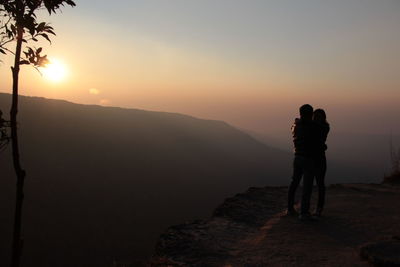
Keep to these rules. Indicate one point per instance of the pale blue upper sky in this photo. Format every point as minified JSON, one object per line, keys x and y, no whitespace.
{"x":343,"y":39}
{"x":256,"y":29}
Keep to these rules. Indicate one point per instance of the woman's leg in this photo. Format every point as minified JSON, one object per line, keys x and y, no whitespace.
{"x":320,"y":179}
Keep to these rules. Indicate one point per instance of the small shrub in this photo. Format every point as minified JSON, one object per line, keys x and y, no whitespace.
{"x":394,"y":177}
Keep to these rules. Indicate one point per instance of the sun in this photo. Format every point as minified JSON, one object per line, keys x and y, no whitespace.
{"x":55,"y":71}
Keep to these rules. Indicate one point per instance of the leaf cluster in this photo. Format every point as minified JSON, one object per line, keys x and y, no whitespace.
{"x":18,"y":21}
{"x":32,"y":56}
{"x":15,"y":7}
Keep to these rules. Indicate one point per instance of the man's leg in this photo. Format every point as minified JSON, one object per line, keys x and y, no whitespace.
{"x":320,"y":179}
{"x":308,"y":180}
{"x":296,"y":178}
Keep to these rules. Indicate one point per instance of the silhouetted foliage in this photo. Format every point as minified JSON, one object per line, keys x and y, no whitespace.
{"x":19,"y":26}
{"x":394,"y":177}
{"x":4,"y":136}
{"x":21,"y":15}
{"x":395,"y":159}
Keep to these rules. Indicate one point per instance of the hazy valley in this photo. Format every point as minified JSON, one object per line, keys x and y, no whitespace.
{"x":104,"y":182}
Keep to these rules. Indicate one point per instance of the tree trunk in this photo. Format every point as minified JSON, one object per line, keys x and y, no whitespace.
{"x":17,"y":240}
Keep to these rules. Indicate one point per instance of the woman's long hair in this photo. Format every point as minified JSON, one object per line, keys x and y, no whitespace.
{"x":319,"y":115}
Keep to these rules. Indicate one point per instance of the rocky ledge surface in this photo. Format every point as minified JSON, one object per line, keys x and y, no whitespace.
{"x":251,"y":229}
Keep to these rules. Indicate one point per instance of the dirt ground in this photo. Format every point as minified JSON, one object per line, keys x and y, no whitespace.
{"x":354,"y":214}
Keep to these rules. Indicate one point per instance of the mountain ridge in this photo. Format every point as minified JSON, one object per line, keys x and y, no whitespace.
{"x":116,"y":178}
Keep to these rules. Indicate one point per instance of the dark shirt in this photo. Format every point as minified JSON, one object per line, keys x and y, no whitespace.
{"x":321,"y":134}
{"x":309,"y":138}
{"x":304,"y":137}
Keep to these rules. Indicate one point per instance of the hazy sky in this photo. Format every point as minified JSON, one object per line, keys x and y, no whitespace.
{"x":250,"y":62}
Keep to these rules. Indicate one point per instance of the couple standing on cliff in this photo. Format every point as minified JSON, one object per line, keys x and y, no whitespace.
{"x":309,"y":137}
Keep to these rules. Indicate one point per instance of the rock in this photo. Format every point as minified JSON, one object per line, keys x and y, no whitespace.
{"x":249,"y":230}
{"x":382,"y":253}
{"x":253,"y":207}
{"x":393,"y":179}
{"x":212,"y":241}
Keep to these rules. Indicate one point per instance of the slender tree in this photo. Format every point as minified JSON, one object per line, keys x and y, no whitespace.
{"x":19,"y":26}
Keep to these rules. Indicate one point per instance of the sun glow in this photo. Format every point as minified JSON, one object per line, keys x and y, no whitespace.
{"x":55,"y":71}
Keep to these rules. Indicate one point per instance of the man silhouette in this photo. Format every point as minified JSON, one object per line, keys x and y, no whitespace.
{"x":303,"y":131}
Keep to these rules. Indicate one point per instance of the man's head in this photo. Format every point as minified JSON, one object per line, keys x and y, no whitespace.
{"x":306,"y":112}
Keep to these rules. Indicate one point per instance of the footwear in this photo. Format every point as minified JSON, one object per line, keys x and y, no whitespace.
{"x":317,"y":213}
{"x":306,"y":217}
{"x":292,"y":212}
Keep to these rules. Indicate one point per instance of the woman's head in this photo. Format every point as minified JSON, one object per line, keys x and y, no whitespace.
{"x":319,"y":115}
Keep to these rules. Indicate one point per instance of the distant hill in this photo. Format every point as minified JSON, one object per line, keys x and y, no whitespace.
{"x":104,"y":182}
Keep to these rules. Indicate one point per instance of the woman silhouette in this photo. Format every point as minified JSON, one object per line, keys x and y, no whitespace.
{"x":319,"y":118}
